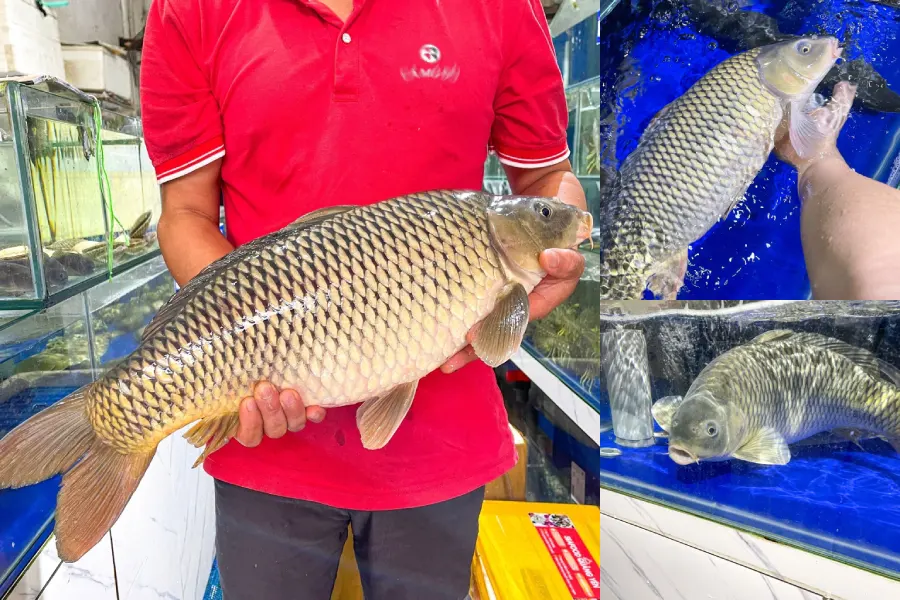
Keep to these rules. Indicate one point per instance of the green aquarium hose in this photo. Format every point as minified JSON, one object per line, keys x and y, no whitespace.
{"x":105,"y":186}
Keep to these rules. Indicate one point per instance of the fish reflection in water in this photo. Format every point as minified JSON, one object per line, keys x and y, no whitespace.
{"x":783,"y":387}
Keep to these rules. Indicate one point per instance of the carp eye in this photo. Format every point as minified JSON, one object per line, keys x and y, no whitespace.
{"x":711,"y":429}
{"x":543,"y":210}
{"x":804,"y":48}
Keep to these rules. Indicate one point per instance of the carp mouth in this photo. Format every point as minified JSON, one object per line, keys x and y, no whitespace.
{"x":682,"y":456}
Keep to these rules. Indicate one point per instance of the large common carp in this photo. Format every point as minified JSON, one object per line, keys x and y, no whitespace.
{"x":751,"y":402}
{"x":697,"y":158}
{"x":346,"y":305}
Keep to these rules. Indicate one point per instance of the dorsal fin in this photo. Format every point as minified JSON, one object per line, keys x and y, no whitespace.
{"x":861,"y":357}
{"x":183,"y":296}
{"x":889,"y":372}
{"x":770,"y":336}
{"x":317,"y":216}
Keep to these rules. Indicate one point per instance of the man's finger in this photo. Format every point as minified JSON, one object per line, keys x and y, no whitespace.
{"x":274,"y":421}
{"x":562,"y":264}
{"x":315,"y":414}
{"x":250,"y":426}
{"x":294,"y":410}
{"x":459,"y":360}
{"x":844,"y":93}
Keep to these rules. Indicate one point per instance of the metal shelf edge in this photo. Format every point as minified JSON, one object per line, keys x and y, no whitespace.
{"x":560,"y":393}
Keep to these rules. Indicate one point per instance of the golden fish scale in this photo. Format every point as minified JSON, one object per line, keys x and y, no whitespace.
{"x":694,"y":161}
{"x":802,"y":389}
{"x":342,"y":311}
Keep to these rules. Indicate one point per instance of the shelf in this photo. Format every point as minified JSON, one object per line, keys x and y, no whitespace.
{"x":573,"y":405}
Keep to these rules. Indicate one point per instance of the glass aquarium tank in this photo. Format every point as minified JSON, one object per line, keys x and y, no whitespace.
{"x":765,"y":416}
{"x":651,"y":51}
{"x":59,"y":229}
{"x":122,"y":308}
{"x":494,"y":177}
{"x":46,"y":355}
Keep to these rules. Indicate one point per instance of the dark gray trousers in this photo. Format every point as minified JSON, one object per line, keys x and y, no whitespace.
{"x":272,"y":548}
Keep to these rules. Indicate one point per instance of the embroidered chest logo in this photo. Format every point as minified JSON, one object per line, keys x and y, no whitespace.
{"x":431,"y":56}
{"x":430,"y":53}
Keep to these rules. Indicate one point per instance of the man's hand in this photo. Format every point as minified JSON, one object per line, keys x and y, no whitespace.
{"x":273,"y":413}
{"x":564,"y":268}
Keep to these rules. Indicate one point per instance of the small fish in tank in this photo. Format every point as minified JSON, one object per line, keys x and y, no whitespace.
{"x":753,"y":401}
{"x":75,"y":263}
{"x":697,"y":158}
{"x":15,"y":278}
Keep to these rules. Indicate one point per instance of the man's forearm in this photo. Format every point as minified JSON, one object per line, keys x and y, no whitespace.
{"x":849,"y":231}
{"x":558,"y":181}
{"x":189,"y":242}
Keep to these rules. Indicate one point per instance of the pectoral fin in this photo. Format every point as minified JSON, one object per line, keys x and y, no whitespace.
{"x":499,"y":334}
{"x":765,"y":447}
{"x":806,"y":130}
{"x":664,"y":409}
{"x":379,"y":418}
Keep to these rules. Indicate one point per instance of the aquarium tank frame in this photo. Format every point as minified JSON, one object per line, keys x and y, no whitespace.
{"x":71,"y":107}
{"x":24,"y":334}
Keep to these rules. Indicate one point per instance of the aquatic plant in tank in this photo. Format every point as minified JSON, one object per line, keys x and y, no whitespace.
{"x":651,"y":51}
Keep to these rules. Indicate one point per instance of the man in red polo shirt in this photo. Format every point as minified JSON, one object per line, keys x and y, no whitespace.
{"x":282,"y":107}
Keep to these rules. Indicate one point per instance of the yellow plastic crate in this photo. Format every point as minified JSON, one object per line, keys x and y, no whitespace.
{"x":347,"y":585}
{"x":532,"y":551}
{"x":511,"y":485}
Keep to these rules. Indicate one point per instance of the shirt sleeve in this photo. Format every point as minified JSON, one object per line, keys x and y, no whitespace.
{"x":530,"y":113}
{"x":181,"y":118}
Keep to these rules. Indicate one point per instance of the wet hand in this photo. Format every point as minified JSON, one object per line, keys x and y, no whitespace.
{"x":564,"y":269}
{"x":830,"y":117}
{"x":273,"y":413}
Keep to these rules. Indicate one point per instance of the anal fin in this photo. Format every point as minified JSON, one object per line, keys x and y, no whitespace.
{"x":379,"y":418}
{"x":213,"y":432}
{"x":668,"y":276}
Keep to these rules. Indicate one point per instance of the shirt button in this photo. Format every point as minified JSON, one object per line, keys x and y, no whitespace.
{"x":346,"y":38}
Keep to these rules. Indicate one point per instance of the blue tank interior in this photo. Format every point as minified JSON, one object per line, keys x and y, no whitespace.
{"x":650,"y":54}
{"x":836,"y":499}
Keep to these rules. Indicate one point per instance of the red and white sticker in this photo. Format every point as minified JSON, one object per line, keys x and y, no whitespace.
{"x":574,"y":562}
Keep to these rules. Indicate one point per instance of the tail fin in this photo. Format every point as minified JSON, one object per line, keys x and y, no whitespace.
{"x":93,"y":493}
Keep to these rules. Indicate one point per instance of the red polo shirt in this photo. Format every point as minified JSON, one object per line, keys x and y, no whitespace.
{"x":308,"y":112}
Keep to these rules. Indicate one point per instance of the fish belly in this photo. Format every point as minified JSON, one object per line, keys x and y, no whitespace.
{"x":343,"y":311}
{"x":694,"y":162}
